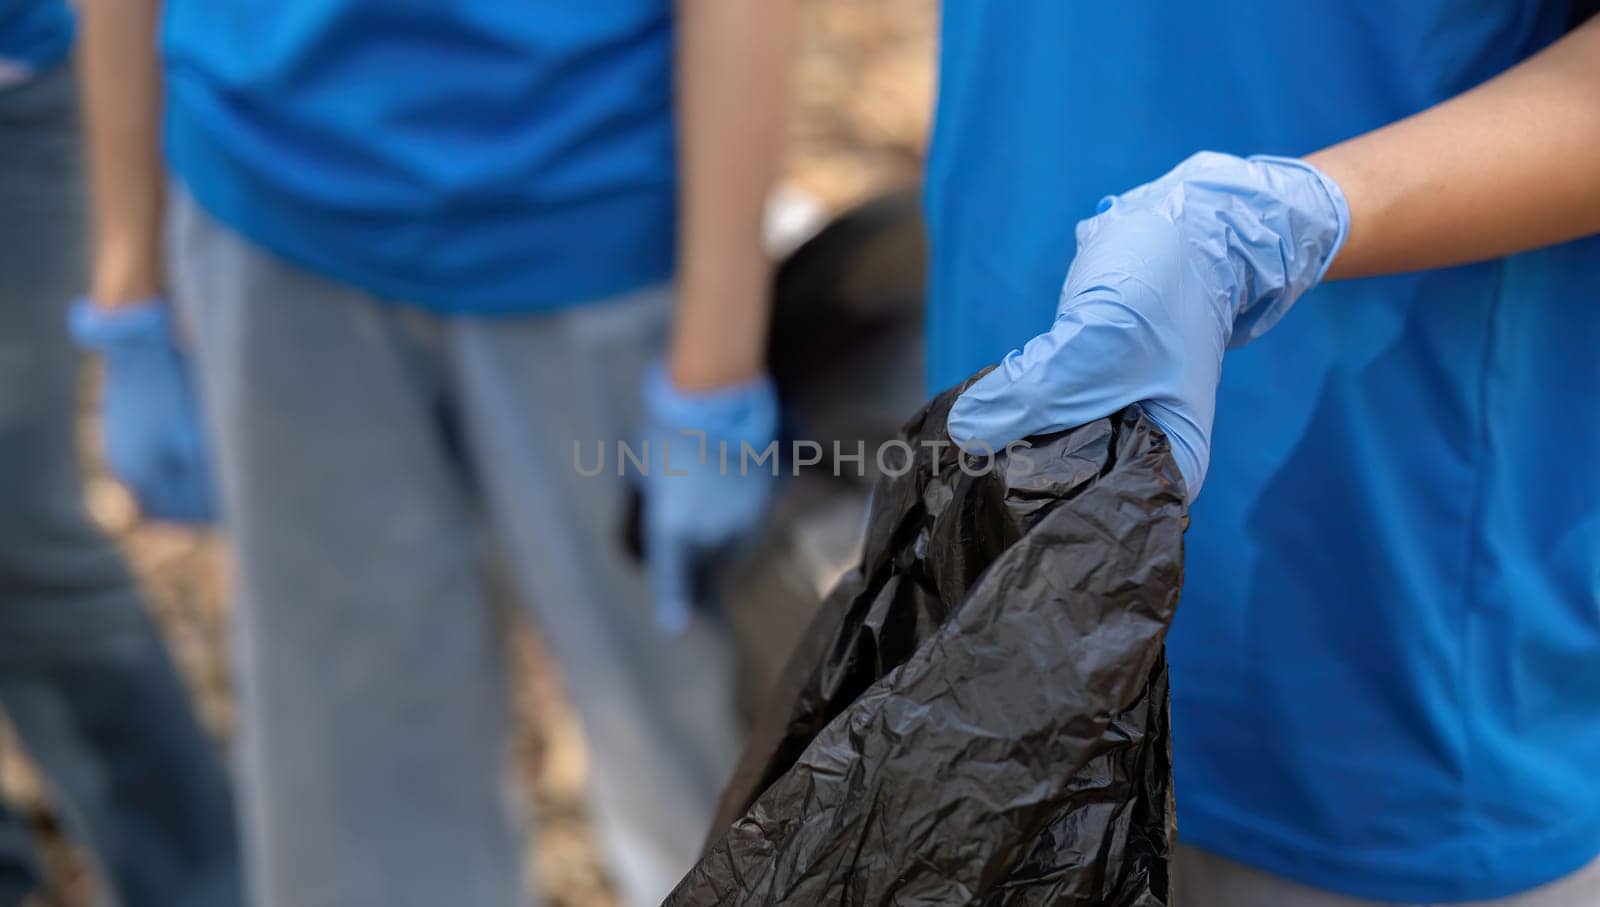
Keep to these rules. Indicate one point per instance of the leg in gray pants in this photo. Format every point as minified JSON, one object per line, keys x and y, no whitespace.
{"x":83,"y":674}
{"x":366,"y":449}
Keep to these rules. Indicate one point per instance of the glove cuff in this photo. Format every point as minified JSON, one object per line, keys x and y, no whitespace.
{"x":1307,"y":212}
{"x":1337,"y":204}
{"x":747,"y":411}
{"x":139,"y":323}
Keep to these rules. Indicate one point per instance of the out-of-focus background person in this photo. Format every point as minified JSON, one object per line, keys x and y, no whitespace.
{"x":84,"y":677}
{"x":856,"y":126}
{"x":419,"y":250}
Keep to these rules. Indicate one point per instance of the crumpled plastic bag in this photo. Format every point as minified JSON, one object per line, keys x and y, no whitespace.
{"x":978,"y":715}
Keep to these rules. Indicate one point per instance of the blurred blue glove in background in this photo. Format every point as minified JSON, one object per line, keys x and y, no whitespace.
{"x":697,"y":500}
{"x":1167,"y":277}
{"x":155,"y":443}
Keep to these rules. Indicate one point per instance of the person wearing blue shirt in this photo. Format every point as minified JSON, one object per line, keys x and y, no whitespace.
{"x":1386,"y":664}
{"x":84,"y":677}
{"x":35,"y":37}
{"x":429,"y":260}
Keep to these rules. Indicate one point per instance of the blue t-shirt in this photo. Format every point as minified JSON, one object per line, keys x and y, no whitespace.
{"x":1386,"y":664}
{"x":34,"y":35}
{"x":470,"y":156}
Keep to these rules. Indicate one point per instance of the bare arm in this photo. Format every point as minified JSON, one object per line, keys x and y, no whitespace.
{"x":122,"y":105}
{"x":1509,"y":166}
{"x":733,"y":64}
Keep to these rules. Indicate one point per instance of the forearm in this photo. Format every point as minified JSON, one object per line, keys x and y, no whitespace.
{"x":732,"y":74}
{"x":1509,"y":166}
{"x":122,"y":106}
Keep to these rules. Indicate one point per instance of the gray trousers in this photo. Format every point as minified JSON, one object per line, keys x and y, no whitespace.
{"x":83,"y":674}
{"x":370,"y":454}
{"x":1202,"y":879}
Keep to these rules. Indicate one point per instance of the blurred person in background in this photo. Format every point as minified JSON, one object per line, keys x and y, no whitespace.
{"x":84,"y":676}
{"x":420,"y":250}
{"x":1386,"y":668}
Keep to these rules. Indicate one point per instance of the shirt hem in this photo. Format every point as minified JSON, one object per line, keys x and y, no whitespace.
{"x":1541,"y":861}
{"x":234,"y":194}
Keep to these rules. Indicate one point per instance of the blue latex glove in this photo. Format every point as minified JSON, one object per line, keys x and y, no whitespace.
{"x":694,"y":501}
{"x":154,"y":440}
{"x":1167,"y":277}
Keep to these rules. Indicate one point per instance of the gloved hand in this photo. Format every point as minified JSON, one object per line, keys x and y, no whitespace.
{"x":154,"y":440}
{"x":695,"y":499}
{"x":1167,"y":277}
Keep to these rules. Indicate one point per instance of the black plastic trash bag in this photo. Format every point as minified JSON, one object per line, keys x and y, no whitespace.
{"x":978,"y":714}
